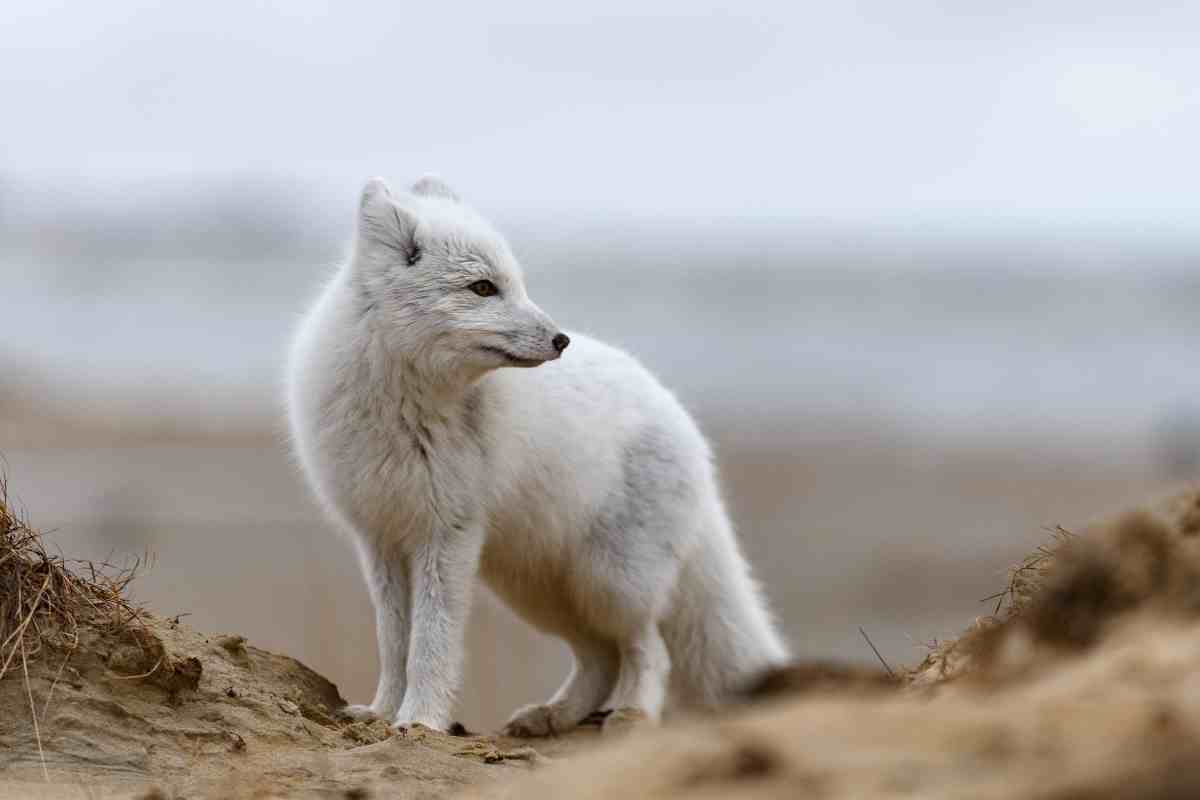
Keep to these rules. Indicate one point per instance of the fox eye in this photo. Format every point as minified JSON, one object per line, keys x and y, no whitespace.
{"x":484,"y":288}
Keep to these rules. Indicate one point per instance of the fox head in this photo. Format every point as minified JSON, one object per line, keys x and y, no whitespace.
{"x":443,"y":286}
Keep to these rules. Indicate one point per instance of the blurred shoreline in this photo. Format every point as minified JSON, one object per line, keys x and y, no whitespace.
{"x":1084,"y":344}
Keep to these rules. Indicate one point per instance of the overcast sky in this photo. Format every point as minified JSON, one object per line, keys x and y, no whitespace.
{"x":972,"y":113}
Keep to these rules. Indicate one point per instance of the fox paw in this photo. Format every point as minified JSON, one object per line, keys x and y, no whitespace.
{"x":539,"y":720}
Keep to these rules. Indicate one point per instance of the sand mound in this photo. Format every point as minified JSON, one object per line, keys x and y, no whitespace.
{"x":165,"y":707}
{"x":102,"y":695}
{"x":1066,"y":596}
{"x":1085,"y":684}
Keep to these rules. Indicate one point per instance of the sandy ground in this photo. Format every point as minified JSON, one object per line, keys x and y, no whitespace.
{"x":1083,"y":685}
{"x":1123,"y":724}
{"x":160,"y":710}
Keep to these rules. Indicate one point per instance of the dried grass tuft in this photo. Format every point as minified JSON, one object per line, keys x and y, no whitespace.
{"x":1065,"y":595}
{"x":1027,"y":577}
{"x":44,"y":598}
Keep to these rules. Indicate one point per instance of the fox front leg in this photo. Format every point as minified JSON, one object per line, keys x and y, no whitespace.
{"x":385,"y":569}
{"x":441,"y":572}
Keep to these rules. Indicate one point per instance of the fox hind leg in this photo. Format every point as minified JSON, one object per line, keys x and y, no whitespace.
{"x":641,"y":689}
{"x":591,"y":682}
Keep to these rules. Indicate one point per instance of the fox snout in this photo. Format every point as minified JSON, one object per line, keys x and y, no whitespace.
{"x":529,"y":348}
{"x":558,"y":343}
{"x":545,"y":326}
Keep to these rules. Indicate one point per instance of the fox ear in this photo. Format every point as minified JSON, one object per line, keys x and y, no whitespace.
{"x":433,"y":186}
{"x":382,"y":222}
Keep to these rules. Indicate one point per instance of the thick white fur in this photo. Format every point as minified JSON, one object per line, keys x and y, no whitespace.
{"x":581,"y":491}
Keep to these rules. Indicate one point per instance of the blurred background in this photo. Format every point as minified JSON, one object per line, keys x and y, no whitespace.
{"x":927,"y":273}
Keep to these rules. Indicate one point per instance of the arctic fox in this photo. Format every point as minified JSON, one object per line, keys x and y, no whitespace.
{"x":580,"y":491}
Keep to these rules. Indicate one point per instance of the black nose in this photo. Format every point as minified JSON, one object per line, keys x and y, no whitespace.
{"x":560,"y":342}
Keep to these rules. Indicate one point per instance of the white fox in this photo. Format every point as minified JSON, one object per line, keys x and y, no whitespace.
{"x":582,"y":492}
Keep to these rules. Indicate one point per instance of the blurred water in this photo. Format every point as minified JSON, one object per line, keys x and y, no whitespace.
{"x":963,"y":340}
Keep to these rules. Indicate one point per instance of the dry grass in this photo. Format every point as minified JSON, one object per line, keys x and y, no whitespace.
{"x":1026,"y":577}
{"x":44,"y":598}
{"x":1064,"y":596}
